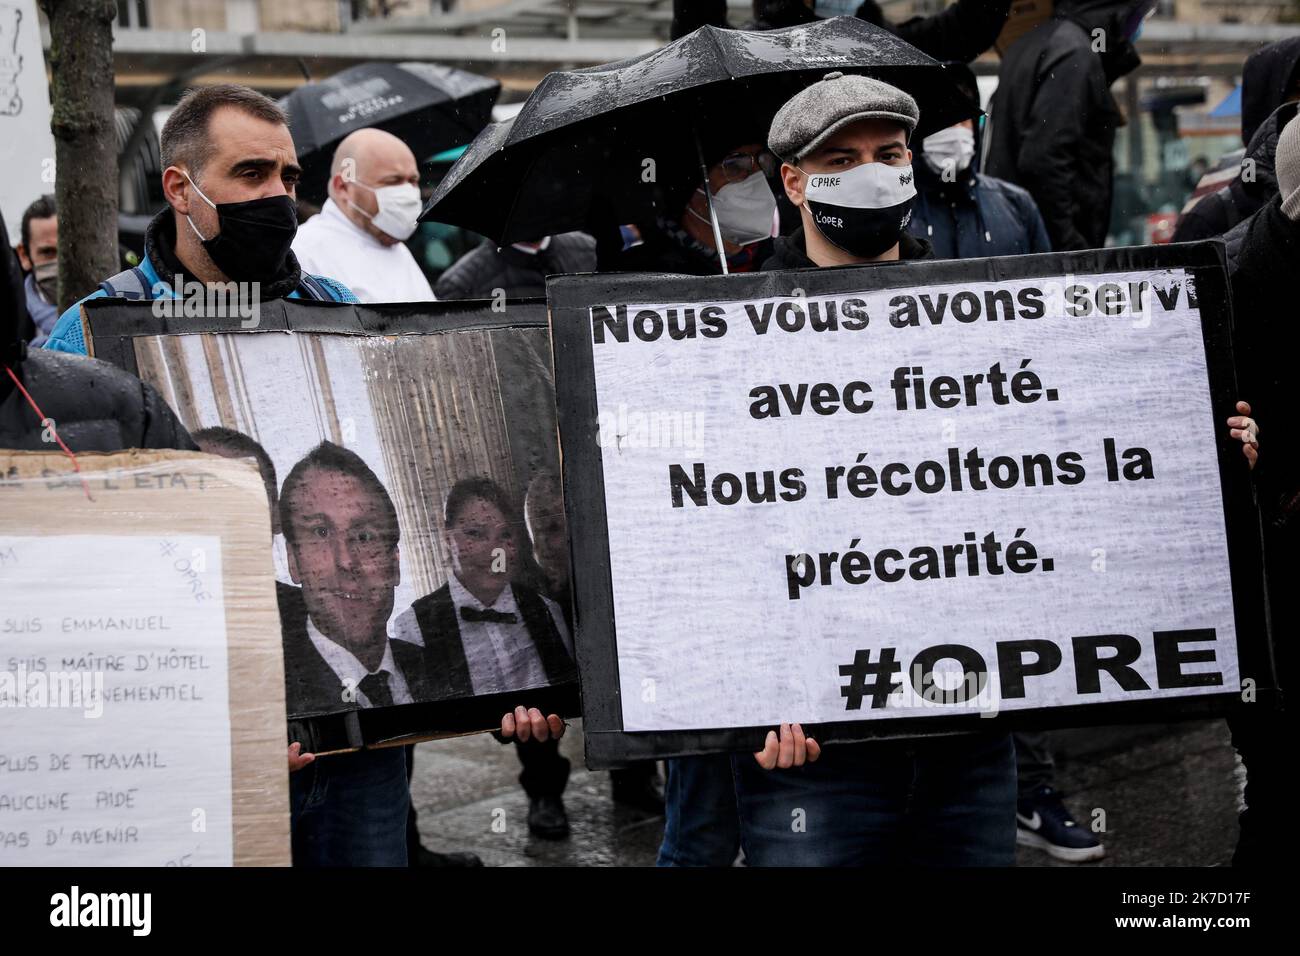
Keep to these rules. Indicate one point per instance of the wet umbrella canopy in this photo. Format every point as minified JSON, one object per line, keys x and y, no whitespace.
{"x":429,"y":107}
{"x":600,"y":145}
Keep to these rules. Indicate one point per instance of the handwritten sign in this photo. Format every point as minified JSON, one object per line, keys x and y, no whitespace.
{"x":123,"y":625}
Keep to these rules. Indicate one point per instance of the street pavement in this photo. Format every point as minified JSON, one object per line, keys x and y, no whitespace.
{"x":1168,"y":796}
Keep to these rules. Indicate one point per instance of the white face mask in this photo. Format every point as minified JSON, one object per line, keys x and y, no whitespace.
{"x":862,"y":210}
{"x":745,"y":210}
{"x":399,"y":208}
{"x":949,"y":150}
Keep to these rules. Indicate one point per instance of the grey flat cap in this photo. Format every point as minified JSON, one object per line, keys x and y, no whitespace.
{"x":812,"y":115}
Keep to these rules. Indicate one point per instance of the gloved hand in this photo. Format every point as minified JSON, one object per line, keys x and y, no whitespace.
{"x":1287,"y":163}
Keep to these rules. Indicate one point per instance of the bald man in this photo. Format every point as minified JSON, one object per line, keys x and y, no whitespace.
{"x":374,"y":201}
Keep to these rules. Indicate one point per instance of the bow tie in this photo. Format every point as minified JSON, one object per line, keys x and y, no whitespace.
{"x":488,"y":615}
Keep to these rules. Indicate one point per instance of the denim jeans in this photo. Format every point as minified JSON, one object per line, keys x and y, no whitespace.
{"x":350,"y":809}
{"x":948,"y":801}
{"x":701,"y":826}
{"x":1034,"y":763}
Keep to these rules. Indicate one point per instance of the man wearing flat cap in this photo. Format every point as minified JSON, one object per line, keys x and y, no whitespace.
{"x":945,"y":801}
{"x":847,"y":168}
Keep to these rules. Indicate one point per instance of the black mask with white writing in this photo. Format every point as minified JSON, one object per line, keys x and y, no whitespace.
{"x":862,"y":210}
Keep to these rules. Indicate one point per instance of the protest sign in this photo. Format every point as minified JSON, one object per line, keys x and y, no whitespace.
{"x":905,"y":499}
{"x":26,"y":142}
{"x":410,"y":462}
{"x":141,"y":689}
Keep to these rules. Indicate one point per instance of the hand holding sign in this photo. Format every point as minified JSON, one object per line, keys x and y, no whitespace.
{"x":1244,"y":429}
{"x":526,"y":723}
{"x":791,"y":750}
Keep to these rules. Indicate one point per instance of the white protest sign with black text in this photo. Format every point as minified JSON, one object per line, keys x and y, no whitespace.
{"x":958,"y":497}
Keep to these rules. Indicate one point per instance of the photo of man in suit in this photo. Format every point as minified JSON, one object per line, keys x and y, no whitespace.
{"x":341,"y":529}
{"x":483,"y":632}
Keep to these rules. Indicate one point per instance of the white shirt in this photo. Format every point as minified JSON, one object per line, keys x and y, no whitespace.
{"x":501,"y":657}
{"x":351,"y":671}
{"x":332,"y":245}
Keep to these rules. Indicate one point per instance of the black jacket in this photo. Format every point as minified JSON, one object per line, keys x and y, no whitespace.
{"x":962,"y":31}
{"x":974,"y":216}
{"x":1254,"y":186}
{"x":484,"y":269}
{"x":1053,"y":120}
{"x":1266,"y":78}
{"x":1264,"y":251}
{"x":1263,"y":254}
{"x":789,"y":252}
{"x":94,"y":407}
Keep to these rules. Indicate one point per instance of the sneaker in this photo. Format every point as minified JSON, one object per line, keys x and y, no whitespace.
{"x":547,"y":818}
{"x":1043,"y":822}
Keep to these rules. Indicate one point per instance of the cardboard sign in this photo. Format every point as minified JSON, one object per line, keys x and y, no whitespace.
{"x":410,"y":462}
{"x":141,"y":689}
{"x":904,"y":498}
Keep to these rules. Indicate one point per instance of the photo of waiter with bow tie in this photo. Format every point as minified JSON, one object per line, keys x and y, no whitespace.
{"x":484,"y":631}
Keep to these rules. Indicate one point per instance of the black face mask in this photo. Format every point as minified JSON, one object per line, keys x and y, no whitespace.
{"x":255,"y":236}
{"x":881,"y":197}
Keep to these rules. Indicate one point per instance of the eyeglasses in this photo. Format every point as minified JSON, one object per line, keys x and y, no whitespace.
{"x":738,"y":166}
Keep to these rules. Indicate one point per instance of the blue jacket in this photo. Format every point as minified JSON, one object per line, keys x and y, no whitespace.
{"x":66,"y":335}
{"x":975,"y":216}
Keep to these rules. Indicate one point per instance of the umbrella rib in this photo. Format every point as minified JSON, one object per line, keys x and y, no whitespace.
{"x":722,"y":58}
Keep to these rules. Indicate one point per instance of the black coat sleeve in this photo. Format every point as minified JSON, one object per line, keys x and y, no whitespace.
{"x":472,"y":276}
{"x":1263,"y":282}
{"x":960,"y":32}
{"x":160,"y":428}
{"x":1205,"y":220}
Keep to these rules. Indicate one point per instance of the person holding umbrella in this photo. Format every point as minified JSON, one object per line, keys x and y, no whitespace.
{"x":739,"y":168}
{"x":374,"y":202}
{"x":948,"y":801}
{"x":601,"y":147}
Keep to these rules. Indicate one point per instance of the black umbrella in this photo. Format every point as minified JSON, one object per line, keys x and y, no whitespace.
{"x":595,"y":146}
{"x":429,"y":107}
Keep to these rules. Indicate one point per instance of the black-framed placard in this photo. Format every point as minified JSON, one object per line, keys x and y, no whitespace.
{"x":906,"y":499}
{"x":410,"y":458}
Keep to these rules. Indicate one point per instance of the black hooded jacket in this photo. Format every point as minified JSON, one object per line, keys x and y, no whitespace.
{"x":93,"y":406}
{"x":1053,"y":122}
{"x":1254,"y":186}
